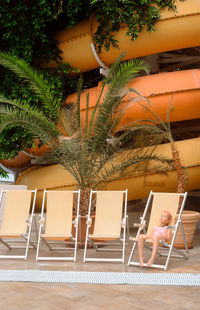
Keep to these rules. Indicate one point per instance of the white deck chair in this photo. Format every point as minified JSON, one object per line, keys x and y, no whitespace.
{"x":58,"y":223}
{"x":8,"y":187}
{"x":110,"y":220}
{"x":17,"y":219}
{"x":159,"y":202}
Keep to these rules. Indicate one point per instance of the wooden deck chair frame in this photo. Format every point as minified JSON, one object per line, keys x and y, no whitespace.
{"x":165,"y":246}
{"x":64,"y":230}
{"x":98,"y":233}
{"x":17,"y":220}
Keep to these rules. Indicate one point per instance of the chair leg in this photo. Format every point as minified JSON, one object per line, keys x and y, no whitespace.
{"x":36,"y":230}
{"x":85,"y":250}
{"x":184,"y":239}
{"x":5,"y":243}
{"x":38,"y":248}
{"x":124,"y":244}
{"x":127,"y":227}
{"x":75,"y":243}
{"x":131,"y":255}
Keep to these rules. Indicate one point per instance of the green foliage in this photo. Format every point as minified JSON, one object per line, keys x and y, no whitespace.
{"x":137,"y":14}
{"x":3,"y":173}
{"x":27,"y":28}
{"x":12,"y":140}
{"x":86,"y":149}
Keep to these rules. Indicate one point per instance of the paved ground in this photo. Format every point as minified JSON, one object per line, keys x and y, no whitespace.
{"x":23,"y":296}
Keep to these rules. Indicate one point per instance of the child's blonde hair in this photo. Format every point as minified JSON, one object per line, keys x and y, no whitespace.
{"x":169,"y":214}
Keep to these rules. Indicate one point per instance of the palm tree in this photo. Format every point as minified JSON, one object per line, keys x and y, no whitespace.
{"x":85,"y":148}
{"x":156,"y":131}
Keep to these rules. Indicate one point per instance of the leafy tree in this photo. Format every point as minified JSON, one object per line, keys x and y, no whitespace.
{"x":136,"y":14}
{"x":27,"y":28}
{"x":86,"y":148}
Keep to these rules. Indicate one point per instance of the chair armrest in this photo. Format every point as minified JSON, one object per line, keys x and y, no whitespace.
{"x":30,"y":219}
{"x":140,"y":225}
{"x":173,"y":228}
{"x":75,"y":221}
{"x":133,"y":239}
{"x":89,"y":221}
{"x":42,"y":221}
{"x":124,"y":222}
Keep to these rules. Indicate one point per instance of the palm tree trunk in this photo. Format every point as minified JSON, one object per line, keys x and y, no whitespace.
{"x":178,"y":169}
{"x":84,"y":201}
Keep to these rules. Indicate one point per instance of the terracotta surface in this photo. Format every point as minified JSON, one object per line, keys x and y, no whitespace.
{"x":21,"y":160}
{"x":190,"y":220}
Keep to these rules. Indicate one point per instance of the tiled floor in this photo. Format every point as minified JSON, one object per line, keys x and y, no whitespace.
{"x":20,"y":295}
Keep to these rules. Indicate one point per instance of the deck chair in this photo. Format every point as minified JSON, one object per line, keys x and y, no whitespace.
{"x":110,"y":223}
{"x":17,"y":218}
{"x":158,"y":202}
{"x":58,"y":224}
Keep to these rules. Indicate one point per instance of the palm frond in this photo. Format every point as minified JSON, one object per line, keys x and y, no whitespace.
{"x":35,"y":79}
{"x":126,"y":72}
{"x":120,"y":75}
{"x":33,"y":120}
{"x":87,"y":148}
{"x":77,"y":114}
{"x":112,"y":69}
{"x":138,"y":167}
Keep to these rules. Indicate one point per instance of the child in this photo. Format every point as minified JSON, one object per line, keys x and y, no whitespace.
{"x":158,"y":233}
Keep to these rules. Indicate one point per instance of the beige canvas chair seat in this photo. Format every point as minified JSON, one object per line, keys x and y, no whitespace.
{"x":104,"y":237}
{"x":11,"y":235}
{"x":58,"y":223}
{"x":56,"y":237}
{"x":156,"y":203}
{"x":17,"y":218}
{"x":110,"y":222}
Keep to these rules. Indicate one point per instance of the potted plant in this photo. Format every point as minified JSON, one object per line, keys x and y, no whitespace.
{"x":84,"y":147}
{"x":157,"y":131}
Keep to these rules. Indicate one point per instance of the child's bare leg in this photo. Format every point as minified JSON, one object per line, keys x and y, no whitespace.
{"x":156,"y":240}
{"x":141,"y":239}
